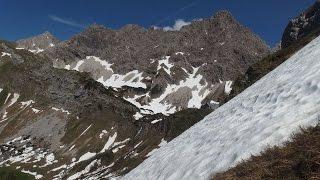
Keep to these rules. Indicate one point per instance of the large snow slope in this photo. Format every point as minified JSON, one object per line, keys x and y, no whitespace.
{"x":267,"y":113}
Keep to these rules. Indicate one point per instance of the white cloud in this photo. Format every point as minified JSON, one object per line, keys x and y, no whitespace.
{"x":177,"y":25}
{"x":65,"y":21}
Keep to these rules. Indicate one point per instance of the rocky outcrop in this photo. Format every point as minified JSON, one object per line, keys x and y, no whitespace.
{"x":302,"y":25}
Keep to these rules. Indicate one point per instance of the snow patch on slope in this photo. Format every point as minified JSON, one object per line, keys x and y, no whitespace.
{"x":165,"y":65}
{"x":85,"y":171}
{"x":36,"y":51}
{"x":109,"y":143}
{"x":27,"y":154}
{"x":267,"y":113}
{"x":27,"y":103}
{"x":227,"y":87}
{"x":14,"y":99}
{"x":5,"y":54}
{"x":158,"y":105}
{"x":108,"y":78}
{"x":118,"y":80}
{"x":35,"y":174}
{"x":61,"y":110}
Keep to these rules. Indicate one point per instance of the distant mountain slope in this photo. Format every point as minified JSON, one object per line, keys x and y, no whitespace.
{"x":164,"y":71}
{"x":57,"y":123}
{"x":267,"y":113}
{"x":48,"y":117}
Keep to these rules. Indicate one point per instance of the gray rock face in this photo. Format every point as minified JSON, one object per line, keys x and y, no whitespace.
{"x":132,"y":47}
{"x":220,"y":47}
{"x":38,"y":43}
{"x":302,"y":25}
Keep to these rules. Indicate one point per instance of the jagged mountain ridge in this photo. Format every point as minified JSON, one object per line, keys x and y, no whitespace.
{"x":38,"y":43}
{"x":156,"y":65}
{"x":302,"y":25}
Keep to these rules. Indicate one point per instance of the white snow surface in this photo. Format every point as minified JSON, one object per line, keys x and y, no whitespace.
{"x":14,"y":99}
{"x":267,"y":113}
{"x":165,"y":64}
{"x":85,"y":171}
{"x":50,"y":159}
{"x":109,"y":142}
{"x":36,"y":51}
{"x":86,"y":156}
{"x":227,"y":87}
{"x":5,"y":54}
{"x":61,"y":109}
{"x":86,"y":130}
{"x":103,"y":132}
{"x":118,"y":80}
{"x":35,"y":110}
{"x":27,"y":103}
{"x":133,"y":78}
{"x":155,"y":121}
{"x":35,"y":174}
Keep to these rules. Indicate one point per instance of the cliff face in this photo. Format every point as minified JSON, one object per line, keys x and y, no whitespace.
{"x":302,"y":25}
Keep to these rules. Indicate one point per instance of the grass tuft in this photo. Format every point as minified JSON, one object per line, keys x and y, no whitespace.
{"x":297,"y":159}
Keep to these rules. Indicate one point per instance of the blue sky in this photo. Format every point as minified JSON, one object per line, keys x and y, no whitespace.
{"x":64,"y":18}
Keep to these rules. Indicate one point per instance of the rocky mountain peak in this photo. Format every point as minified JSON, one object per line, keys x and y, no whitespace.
{"x":224,"y":15}
{"x":132,"y":27}
{"x":147,"y":64}
{"x":302,"y":25}
{"x":95,"y":27}
{"x":47,"y":34}
{"x":38,"y":43}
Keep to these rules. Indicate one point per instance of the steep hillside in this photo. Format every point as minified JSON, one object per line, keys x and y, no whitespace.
{"x":53,"y":118}
{"x":265,"y":114}
{"x":269,"y":63}
{"x":56,"y":123}
{"x":46,"y":112}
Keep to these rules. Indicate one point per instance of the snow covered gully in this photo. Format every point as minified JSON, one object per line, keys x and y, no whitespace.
{"x":265,"y":114}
